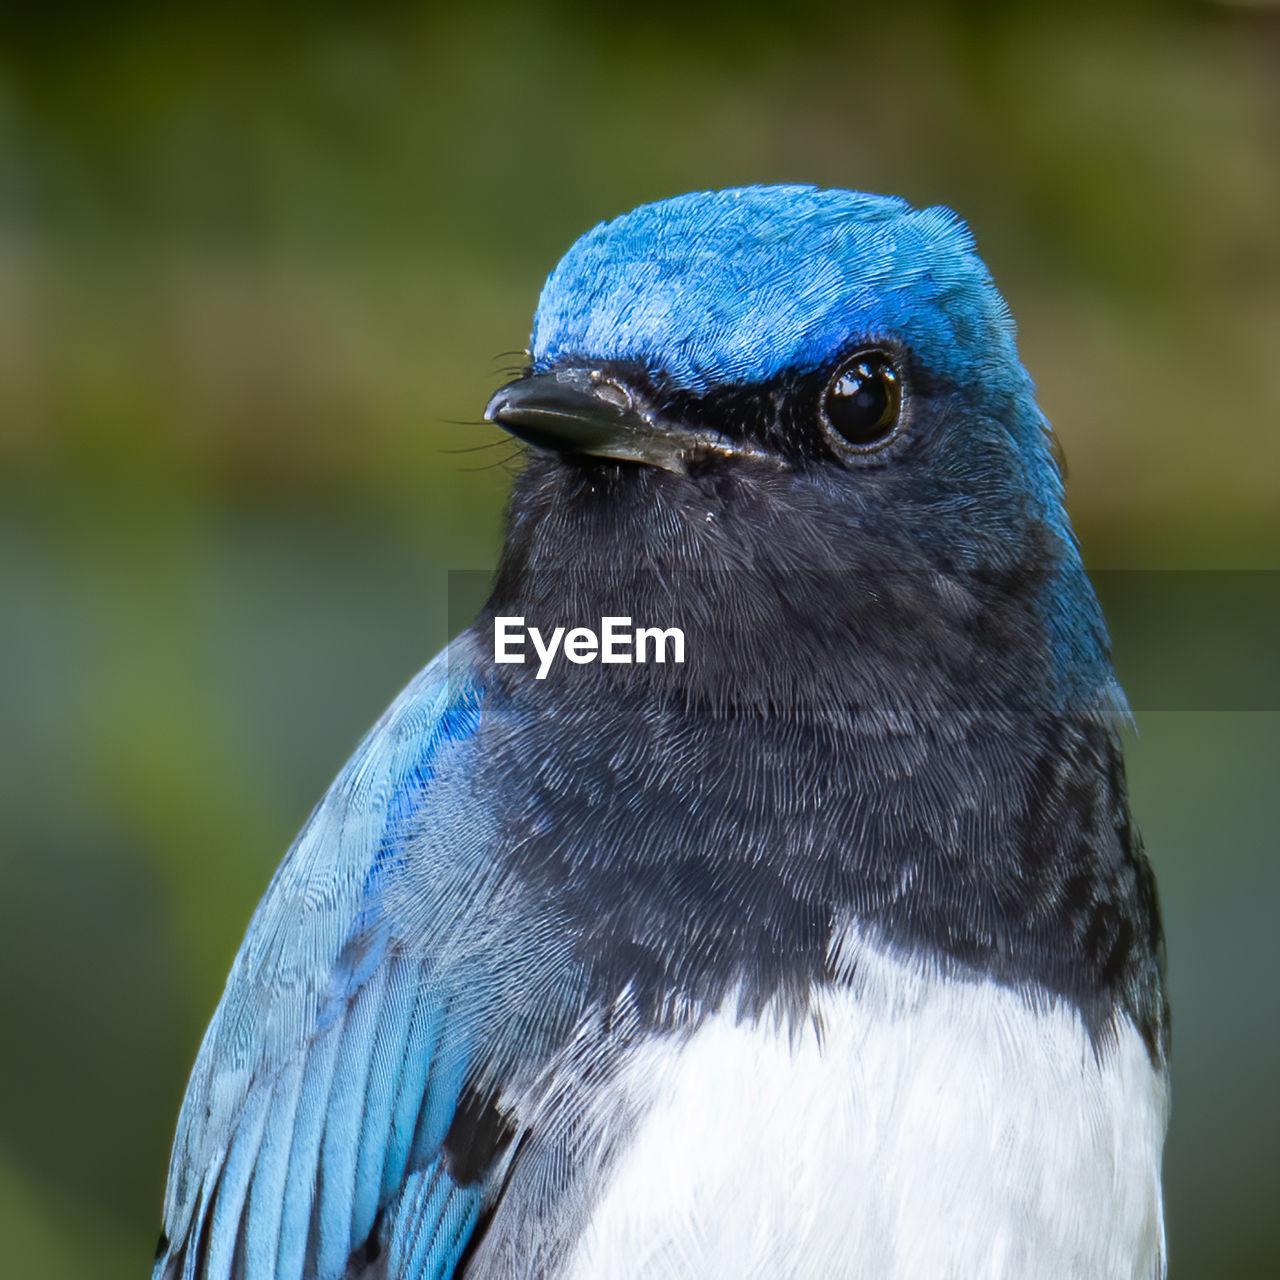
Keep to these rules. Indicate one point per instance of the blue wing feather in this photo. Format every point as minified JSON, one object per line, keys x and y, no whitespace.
{"x":427,"y":1241}
{"x":335,"y":1213}
{"x":332,"y":1066}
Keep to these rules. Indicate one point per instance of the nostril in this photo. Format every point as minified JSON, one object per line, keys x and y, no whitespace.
{"x":611,"y":392}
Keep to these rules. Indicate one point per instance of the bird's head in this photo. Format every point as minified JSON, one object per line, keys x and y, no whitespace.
{"x":787,"y":380}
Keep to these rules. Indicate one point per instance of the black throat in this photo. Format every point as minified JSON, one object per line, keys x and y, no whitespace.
{"x":860,"y":735}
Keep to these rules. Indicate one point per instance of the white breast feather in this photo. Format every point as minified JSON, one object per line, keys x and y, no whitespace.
{"x":925,"y":1128}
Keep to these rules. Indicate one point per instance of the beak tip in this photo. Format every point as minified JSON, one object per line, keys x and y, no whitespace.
{"x":497,"y":403}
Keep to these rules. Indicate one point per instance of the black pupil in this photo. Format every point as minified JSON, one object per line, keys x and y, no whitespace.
{"x":862,"y":402}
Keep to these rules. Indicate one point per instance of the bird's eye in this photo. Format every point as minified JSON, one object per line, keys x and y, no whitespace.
{"x":863,"y":400}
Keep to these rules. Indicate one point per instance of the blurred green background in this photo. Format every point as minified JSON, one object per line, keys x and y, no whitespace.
{"x":256,"y":269}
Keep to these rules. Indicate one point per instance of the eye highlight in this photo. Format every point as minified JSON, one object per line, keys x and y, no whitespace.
{"x":863,"y":401}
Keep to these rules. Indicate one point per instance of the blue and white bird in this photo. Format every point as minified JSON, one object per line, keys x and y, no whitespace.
{"x":830,"y":951}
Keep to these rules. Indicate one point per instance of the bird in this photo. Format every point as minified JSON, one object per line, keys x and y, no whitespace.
{"x":823,"y":944}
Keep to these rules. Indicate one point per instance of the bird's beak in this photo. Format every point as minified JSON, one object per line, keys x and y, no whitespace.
{"x":584,"y":411}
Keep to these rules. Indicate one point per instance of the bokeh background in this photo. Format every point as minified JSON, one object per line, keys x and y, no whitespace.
{"x":257,"y":265}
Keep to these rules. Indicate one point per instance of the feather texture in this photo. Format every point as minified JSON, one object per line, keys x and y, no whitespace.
{"x":329,"y":1069}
